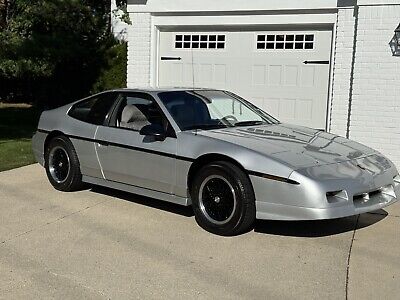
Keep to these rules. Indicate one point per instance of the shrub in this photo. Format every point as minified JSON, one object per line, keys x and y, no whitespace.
{"x":113,"y":73}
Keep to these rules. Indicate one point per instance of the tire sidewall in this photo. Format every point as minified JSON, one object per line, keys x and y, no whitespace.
{"x":229,"y":175}
{"x":67,"y":146}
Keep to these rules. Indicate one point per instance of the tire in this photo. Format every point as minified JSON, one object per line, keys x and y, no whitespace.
{"x":63,"y":177}
{"x":223,"y":199}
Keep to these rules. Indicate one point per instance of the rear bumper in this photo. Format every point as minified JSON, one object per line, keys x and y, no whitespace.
{"x":38,"y":141}
{"x":366,"y":185}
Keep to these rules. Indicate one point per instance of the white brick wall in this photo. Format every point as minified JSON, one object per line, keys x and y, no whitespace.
{"x":139,"y":43}
{"x":375,"y":119}
{"x":342,"y":69}
{"x":375,"y":110}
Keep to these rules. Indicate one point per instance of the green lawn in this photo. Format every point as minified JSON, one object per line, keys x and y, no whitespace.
{"x":17,"y":126}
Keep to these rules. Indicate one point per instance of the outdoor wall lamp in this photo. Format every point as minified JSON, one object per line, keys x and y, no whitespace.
{"x":395,"y":42}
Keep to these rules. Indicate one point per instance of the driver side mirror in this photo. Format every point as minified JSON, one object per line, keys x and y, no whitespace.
{"x":155,"y":131}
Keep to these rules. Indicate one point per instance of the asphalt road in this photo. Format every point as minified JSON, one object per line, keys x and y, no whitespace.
{"x":102,"y":244}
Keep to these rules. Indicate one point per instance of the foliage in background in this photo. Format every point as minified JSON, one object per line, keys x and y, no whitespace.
{"x":53,"y":51}
{"x":17,"y":125}
{"x":122,"y":6}
{"x":113,"y":72}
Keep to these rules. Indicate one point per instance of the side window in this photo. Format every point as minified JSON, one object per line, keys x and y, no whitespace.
{"x":136,"y":112}
{"x":187,"y":109}
{"x":93,"y":110}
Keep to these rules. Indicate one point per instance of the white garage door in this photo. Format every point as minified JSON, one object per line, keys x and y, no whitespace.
{"x":284,"y":72}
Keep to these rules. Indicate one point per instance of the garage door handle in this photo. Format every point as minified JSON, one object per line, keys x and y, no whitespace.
{"x":316,"y":62}
{"x":170,"y":58}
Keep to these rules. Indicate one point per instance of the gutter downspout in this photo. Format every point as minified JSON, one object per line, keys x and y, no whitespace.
{"x":353,"y":60}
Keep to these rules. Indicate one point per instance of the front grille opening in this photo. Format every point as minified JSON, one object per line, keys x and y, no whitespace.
{"x":359,"y":197}
{"x":384,"y":192}
{"x":337,"y":196}
{"x":364,"y":197}
{"x":375,"y":193}
{"x":396,"y":180}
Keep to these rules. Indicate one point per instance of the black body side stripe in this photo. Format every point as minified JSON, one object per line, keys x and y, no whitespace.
{"x":43,"y":131}
{"x":125,"y":147}
{"x":252,"y":173}
{"x":273,"y":177}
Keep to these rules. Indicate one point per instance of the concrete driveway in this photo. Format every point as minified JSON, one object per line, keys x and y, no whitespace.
{"x":102,"y":244}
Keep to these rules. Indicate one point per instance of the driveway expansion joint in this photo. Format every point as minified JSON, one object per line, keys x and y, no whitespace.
{"x":349,"y":256}
{"x":52,"y":222}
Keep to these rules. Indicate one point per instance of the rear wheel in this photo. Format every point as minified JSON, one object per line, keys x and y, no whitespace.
{"x":62,"y":165}
{"x":223,"y":199}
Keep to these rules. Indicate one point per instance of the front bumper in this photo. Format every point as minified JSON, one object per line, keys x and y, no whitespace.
{"x":330,"y":191}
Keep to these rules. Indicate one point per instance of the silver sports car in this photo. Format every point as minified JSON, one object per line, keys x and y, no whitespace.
{"x":215,"y":151}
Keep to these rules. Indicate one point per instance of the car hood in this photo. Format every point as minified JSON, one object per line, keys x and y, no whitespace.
{"x":295,"y":146}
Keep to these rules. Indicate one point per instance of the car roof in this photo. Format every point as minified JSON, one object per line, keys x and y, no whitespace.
{"x":160,"y":90}
{"x":148,"y":90}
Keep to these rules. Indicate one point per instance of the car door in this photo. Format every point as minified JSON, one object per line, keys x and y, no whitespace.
{"x":130,"y":158}
{"x":86,"y":116}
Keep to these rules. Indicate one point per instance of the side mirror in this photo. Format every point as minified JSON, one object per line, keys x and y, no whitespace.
{"x":155,"y":131}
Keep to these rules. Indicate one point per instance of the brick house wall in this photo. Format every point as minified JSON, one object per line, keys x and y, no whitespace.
{"x":366,"y":105}
{"x":343,"y":57}
{"x":139,"y":50}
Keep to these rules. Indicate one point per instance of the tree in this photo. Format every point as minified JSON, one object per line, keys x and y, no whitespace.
{"x":52,"y":50}
{"x":3,"y":13}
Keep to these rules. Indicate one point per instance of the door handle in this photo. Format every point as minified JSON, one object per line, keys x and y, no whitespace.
{"x":170,"y":58}
{"x":316,"y":62}
{"x":103,"y":143}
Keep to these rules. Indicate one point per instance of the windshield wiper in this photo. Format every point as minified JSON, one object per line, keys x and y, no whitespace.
{"x":206,"y":126}
{"x":249,"y":123}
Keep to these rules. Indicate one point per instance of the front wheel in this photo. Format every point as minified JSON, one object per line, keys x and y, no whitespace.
{"x":223,"y":199}
{"x":62,"y":165}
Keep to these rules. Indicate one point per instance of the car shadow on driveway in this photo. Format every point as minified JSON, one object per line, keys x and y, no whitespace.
{"x":321,"y":228}
{"x":150,"y":202}
{"x":311,"y":229}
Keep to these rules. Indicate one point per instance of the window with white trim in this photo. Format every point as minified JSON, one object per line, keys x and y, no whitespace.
{"x":285,"y":41}
{"x":200,"y":41}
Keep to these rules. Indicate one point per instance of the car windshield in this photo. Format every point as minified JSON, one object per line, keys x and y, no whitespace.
{"x":212,"y":110}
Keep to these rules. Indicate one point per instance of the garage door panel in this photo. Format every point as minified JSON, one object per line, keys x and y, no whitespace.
{"x":304,"y":109}
{"x":283,"y":75}
{"x":307,"y":76}
{"x":287,"y":75}
{"x":220,"y":75}
{"x":291,"y":75}
{"x":259,"y":75}
{"x":266,"y":67}
{"x":287,"y":109}
{"x":275,"y":75}
{"x":206,"y":74}
{"x":272,"y":106}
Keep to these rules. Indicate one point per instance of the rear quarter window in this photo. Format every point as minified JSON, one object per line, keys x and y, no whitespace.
{"x":93,"y":110}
